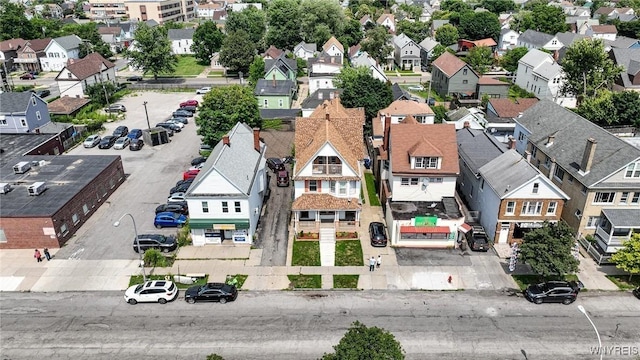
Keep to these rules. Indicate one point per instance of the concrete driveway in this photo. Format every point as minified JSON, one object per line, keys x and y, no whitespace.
{"x":150,"y":174}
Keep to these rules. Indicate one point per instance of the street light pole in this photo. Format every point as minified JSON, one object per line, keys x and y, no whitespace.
{"x":582,"y":310}
{"x":135,"y":230}
{"x":147,"y":114}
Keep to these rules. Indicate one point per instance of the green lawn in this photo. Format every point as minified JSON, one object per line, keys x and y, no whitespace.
{"x":216,"y":73}
{"x":188,"y":66}
{"x":371,"y":189}
{"x":345,"y":281}
{"x":306,"y":281}
{"x":424,"y":93}
{"x":240,"y":278}
{"x":137,"y":279}
{"x":306,"y":253}
{"x":274,"y":124}
{"x":349,"y":253}
{"x":525,"y":280}
{"x":623,"y":282}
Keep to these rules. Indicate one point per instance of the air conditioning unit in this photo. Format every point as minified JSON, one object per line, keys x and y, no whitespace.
{"x":21,"y":167}
{"x":4,"y":188}
{"x":37,"y":188}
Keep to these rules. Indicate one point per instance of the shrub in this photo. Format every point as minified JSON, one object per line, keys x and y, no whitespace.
{"x":154,"y":258}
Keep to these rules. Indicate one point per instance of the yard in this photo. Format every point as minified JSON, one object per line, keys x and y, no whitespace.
{"x":349,"y":253}
{"x":305,"y":281}
{"x":306,"y":253}
{"x":623,"y":282}
{"x":187,"y":66}
{"x":345,"y":281}
{"x":371,"y":189}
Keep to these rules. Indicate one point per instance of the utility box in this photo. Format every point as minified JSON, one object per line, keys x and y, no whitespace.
{"x":21,"y":167}
{"x":4,"y":188}
{"x":155,"y":136}
{"x":37,"y":188}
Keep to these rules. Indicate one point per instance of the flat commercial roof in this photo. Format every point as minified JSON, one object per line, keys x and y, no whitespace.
{"x":15,"y":145}
{"x":64,"y":175}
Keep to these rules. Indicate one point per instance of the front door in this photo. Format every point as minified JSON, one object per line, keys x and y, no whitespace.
{"x":504,"y":233}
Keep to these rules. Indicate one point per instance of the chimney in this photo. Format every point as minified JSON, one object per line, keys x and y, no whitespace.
{"x":387,"y":129}
{"x":320,"y":95}
{"x":466,"y":125}
{"x":225,"y":140}
{"x":273,"y":82}
{"x":331,"y":95}
{"x":256,"y":139}
{"x":527,"y":155}
{"x":587,"y":157}
{"x":512,"y":142}
{"x":327,"y":116}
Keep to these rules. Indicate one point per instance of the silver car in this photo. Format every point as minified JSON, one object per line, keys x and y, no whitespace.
{"x":91,"y":141}
{"x":122,"y":143}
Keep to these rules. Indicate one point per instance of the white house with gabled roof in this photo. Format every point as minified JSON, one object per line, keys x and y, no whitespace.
{"x":59,"y":51}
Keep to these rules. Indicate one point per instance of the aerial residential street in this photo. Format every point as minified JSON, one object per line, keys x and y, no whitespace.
{"x":304,"y":325}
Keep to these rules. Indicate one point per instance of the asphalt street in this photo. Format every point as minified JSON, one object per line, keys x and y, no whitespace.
{"x":304,"y":325}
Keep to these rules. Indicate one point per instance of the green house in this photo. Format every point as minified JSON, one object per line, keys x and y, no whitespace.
{"x":275,"y":94}
{"x":281,"y":68}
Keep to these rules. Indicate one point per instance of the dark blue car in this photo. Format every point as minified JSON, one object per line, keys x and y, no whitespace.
{"x":169,"y":219}
{"x":135,"y":134}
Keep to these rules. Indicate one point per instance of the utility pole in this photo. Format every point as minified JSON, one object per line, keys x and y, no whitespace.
{"x":147,"y":114}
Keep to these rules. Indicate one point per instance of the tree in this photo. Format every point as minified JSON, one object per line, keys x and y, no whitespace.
{"x":351,"y":33}
{"x":377,"y":44}
{"x":415,"y":30}
{"x":362,"y":342}
{"x":214,"y":357}
{"x":509,"y":60}
{"x":588,"y":68}
{"x":412,"y":11}
{"x":498,"y":6}
{"x":447,"y":35}
{"x":100,"y":93}
{"x":88,"y":32}
{"x":627,"y":104}
{"x":251,"y":20}
{"x":439,"y":50}
{"x":173,"y":25}
{"x":541,"y":17}
{"x":152,"y":51}
{"x":629,"y":29}
{"x":283,"y":17}
{"x":256,"y":70}
{"x":324,"y":14}
{"x":548,"y":250}
{"x":207,"y":40}
{"x":237,"y":51}
{"x":458,"y":6}
{"x":628,"y":257}
{"x":598,"y":109}
{"x":480,"y":58}
{"x":14,"y":23}
{"x":361,"y":89}
{"x":222,"y":108}
{"x":482,"y":25}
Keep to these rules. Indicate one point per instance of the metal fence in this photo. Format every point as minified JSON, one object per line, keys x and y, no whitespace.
{"x":591,"y":249}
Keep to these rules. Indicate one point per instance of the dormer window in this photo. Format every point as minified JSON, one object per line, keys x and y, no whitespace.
{"x":426,"y":163}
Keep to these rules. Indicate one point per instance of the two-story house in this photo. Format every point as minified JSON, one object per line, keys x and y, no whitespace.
{"x":59,"y":51}
{"x":113,"y":36}
{"x":604,"y":32}
{"x":451,"y":76}
{"x":532,"y":39}
{"x":74,"y":78}
{"x":419,"y":194}
{"x":328,"y":169}
{"x":181,"y":41}
{"x":322,"y":69}
{"x":334,"y":48}
{"x":9,"y":51}
{"x":629,"y":59}
{"x":500,"y":115}
{"x":374,"y":68}
{"x":22,"y":112}
{"x":305,"y":50}
{"x":509,"y":196}
{"x":275,"y":94}
{"x":598,"y":170}
{"x":389,"y":21}
{"x":226,"y":197}
{"x":282,"y":68}
{"x":30,"y":54}
{"x":272,"y":53}
{"x":623,"y":14}
{"x":406,"y":52}
{"x":541,"y":75}
{"x":508,"y":40}
{"x":426,"y":49}
{"x":317,"y":98}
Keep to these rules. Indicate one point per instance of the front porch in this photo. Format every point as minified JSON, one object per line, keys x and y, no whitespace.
{"x":312,"y":221}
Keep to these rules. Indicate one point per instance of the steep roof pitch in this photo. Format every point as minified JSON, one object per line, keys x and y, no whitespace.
{"x":273,"y":52}
{"x":399,"y":93}
{"x":312,"y":47}
{"x":111,"y":30}
{"x":12,"y":44}
{"x":273,"y":87}
{"x":319,"y":96}
{"x":571,"y":134}
{"x":87,"y":66}
{"x":365,"y":19}
{"x":181,"y":34}
{"x":15,"y":102}
{"x":449,"y":63}
{"x":69,"y":42}
{"x":477,"y":148}
{"x":536,"y":38}
{"x":423,"y":140}
{"x":38,"y":44}
{"x":507,"y":108}
{"x":535,"y":57}
{"x":283,"y":63}
{"x":406,"y":107}
{"x":428,"y":43}
{"x":383,"y":17}
{"x":333,"y":41}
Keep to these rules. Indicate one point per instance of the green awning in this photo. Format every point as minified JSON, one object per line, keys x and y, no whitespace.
{"x":221,"y":224}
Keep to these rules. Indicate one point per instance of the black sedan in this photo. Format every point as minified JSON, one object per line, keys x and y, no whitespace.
{"x":211,"y":292}
{"x":275,"y":164}
{"x":173,"y":207}
{"x":107,"y":142}
{"x":180,"y":188}
{"x":199,"y":160}
{"x":182,"y":113}
{"x":43,"y":93}
{"x":134,"y":78}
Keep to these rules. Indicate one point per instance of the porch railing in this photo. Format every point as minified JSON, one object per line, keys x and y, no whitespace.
{"x":593,"y":251}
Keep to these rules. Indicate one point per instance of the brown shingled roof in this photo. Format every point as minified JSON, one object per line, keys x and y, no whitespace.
{"x":406,"y":107}
{"x":324,"y":202}
{"x":12,"y":44}
{"x":38,"y":44}
{"x":487,"y":80}
{"x":110,"y":30}
{"x":67,"y":105}
{"x":273,"y":52}
{"x":448,"y":63}
{"x":424,"y":140}
{"x":89,"y":65}
{"x":507,"y":108}
{"x":604,"y":29}
{"x":333,"y":41}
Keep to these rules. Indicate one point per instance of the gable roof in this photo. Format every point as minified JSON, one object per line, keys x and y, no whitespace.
{"x":477,"y":148}
{"x":604,"y":10}
{"x":12,"y":44}
{"x":273,"y":52}
{"x":401,"y":40}
{"x":383,"y":17}
{"x":488,"y":80}
{"x":604,"y":29}
{"x":354,"y":50}
{"x":15,"y":102}
{"x":87,"y":66}
{"x":181,"y":34}
{"x":38,"y":45}
{"x":508,"y":108}
{"x":535,"y":57}
{"x":283,"y":63}
{"x":319,"y":96}
{"x":429,"y":43}
{"x":406,"y":107}
{"x":449,"y":63}
{"x":333,"y":41}
{"x":111,"y":30}
{"x":273,"y":87}
{"x":311,"y":47}
{"x":536,"y":38}
{"x":68,"y":42}
{"x":571,"y":134}
{"x":622,"y":42}
{"x":365,"y":19}
{"x":399,"y":93}
{"x":423,"y":140}
{"x":568,"y":38}
{"x":628,"y":59}
{"x":66,"y":105}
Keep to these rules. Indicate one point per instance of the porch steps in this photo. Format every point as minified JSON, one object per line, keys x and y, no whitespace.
{"x":327,"y":246}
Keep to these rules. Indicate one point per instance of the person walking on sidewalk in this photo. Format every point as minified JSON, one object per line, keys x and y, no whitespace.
{"x":379,"y":261}
{"x":38,"y":256}
{"x":46,"y":254}
{"x":372,"y":264}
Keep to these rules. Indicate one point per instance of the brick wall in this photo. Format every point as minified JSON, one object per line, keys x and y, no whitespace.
{"x":27,"y":233}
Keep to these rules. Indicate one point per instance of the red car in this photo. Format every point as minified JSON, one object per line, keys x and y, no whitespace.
{"x":190,"y":174}
{"x":189,"y":103}
{"x":27,"y":76}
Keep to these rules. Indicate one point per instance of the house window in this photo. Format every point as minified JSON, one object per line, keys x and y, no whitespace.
{"x":624,"y":197}
{"x":205,"y":206}
{"x":237,"y":206}
{"x":636,"y":198}
{"x":69,"y":75}
{"x":570,"y":179}
{"x":547,"y":162}
{"x":75,"y":219}
{"x":64,"y":230}
{"x":280,"y":103}
{"x":414,"y":181}
{"x":592,"y":222}
{"x":435,"y":180}
{"x":465,"y":81}
{"x":426,"y":163}
{"x":313,"y":185}
{"x":225,"y":207}
{"x":481,"y":184}
{"x":633,"y":170}
{"x":551,"y":209}
{"x":3,"y":122}
{"x":511,"y":208}
{"x":3,"y":236}
{"x":583,"y":190}
{"x":265,"y":103}
{"x":404,"y":181}
{"x":342,"y":188}
{"x":38,"y":116}
{"x":558,"y":174}
{"x":464,"y":71}
{"x":531,"y":208}
{"x":85,"y":209}
{"x":604,"y":197}
{"x":23,"y":122}
{"x":521,"y":137}
{"x":536,"y":187}
{"x":534,"y":152}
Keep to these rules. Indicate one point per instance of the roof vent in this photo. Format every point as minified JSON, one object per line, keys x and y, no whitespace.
{"x":37,"y":188}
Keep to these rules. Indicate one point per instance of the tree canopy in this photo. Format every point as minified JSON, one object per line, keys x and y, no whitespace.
{"x":498,"y":6}
{"x":256,"y":70}
{"x":320,"y":19}
{"x":14,"y":23}
{"x":481,"y":25}
{"x":361,"y":89}
{"x":207,"y":40}
{"x":222,"y":108}
{"x":415,"y":30}
{"x":628,"y":257}
{"x":612,"y":108}
{"x":89,"y":32}
{"x":541,"y":17}
{"x":377,"y":44}
{"x":480,"y":59}
{"x":370,"y":343}
{"x":509,"y":60}
{"x":152,"y":51}
{"x":251,"y":20}
{"x":284,"y":21}
{"x":458,"y":6}
{"x":447,"y":35}
{"x":549,"y":250}
{"x":237,"y":51}
{"x":351,"y":33}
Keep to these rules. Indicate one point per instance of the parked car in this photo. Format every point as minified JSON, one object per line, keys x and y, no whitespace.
{"x":178,"y":123}
{"x":176,"y":197}
{"x":416,"y":87}
{"x":198,"y":160}
{"x":121,"y":131}
{"x":155,"y":241}
{"x":181,"y":182}
{"x":115,"y":108}
{"x":180,"y":188}
{"x":431,"y":101}
{"x":160,"y":291}
{"x":203,"y":90}
{"x":122,"y":143}
{"x":477,"y":239}
{"x":190,"y":108}
{"x":196,"y":167}
{"x":182,"y":113}
{"x":169,"y":219}
{"x":173,"y":207}
{"x":134,"y":78}
{"x":107,"y":142}
{"x":189,"y":103}
{"x":169,"y":126}
{"x":91,"y":141}
{"x":136,"y":144}
{"x":377,"y":234}
{"x":283,"y":178}
{"x":43,"y":93}
{"x":27,"y":76}
{"x":636,"y":292}
{"x":179,"y":119}
{"x":211,"y":292}
{"x":135,"y":134}
{"x":553,"y":291}
{"x":205,"y":150}
{"x":190,"y":174}
{"x":275,"y":164}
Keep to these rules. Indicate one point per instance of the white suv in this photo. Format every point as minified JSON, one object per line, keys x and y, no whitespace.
{"x":159,"y":291}
{"x":203,"y":90}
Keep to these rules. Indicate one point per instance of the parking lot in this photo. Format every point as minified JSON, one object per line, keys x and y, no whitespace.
{"x":437,"y":257}
{"x":150,"y":172}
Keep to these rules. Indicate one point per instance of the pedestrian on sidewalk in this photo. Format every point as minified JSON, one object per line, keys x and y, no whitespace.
{"x":46,"y":254}
{"x":372,"y":264}
{"x":379,"y":261}
{"x":38,"y":256}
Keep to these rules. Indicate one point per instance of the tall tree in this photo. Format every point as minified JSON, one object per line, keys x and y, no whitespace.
{"x":598,"y":109}
{"x":510,"y":58}
{"x":207,"y":40}
{"x":377,"y":43}
{"x":458,"y":6}
{"x":480,"y":58}
{"x":627,"y":105}
{"x":628,"y":257}
{"x":541,"y":17}
{"x":237,"y":51}
{"x":362,"y":342}
{"x":89,"y":32}
{"x":326,"y":14}
{"x":587,"y":68}
{"x":549,"y":250}
{"x":251,"y":20}
{"x":351,"y":33}
{"x":361,"y":89}
{"x":415,"y":30}
{"x":222,"y":108}
{"x":14,"y":23}
{"x":152,"y":51}
{"x":498,"y":6}
{"x":256,"y":70}
{"x":481,"y":25}
{"x":439,"y":50}
{"x":447,"y":35}
{"x":283,"y":17}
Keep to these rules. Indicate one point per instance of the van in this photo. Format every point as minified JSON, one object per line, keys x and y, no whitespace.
{"x":283,"y":178}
